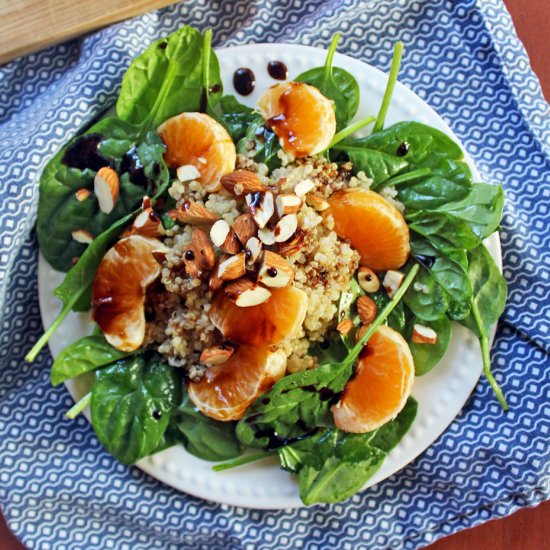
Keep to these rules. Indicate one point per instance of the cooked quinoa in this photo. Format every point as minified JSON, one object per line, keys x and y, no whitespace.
{"x":178,"y":322}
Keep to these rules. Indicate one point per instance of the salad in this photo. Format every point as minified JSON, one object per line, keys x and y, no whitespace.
{"x":263,"y":278}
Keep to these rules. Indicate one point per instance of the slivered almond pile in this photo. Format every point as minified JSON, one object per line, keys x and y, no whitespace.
{"x":247,"y":257}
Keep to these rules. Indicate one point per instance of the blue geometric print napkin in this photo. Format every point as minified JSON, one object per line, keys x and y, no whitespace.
{"x":60,"y":490}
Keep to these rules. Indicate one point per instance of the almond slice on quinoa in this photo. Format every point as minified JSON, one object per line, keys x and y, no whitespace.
{"x":194,"y":213}
{"x":246,"y":293}
{"x":275,"y":271}
{"x":262,"y":207}
{"x":241,"y":182}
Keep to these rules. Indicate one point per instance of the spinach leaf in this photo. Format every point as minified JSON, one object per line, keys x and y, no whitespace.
{"x":330,"y":350}
{"x":333,"y":465}
{"x":426,"y":298}
{"x":338,"y":468}
{"x":337,"y":84}
{"x":84,"y":355}
{"x":111,"y":142}
{"x":427,"y":356}
{"x":489,"y":290}
{"x":297,"y":404}
{"x":487,"y":303}
{"x":75,"y":290}
{"x":261,"y":143}
{"x":235,"y":116}
{"x":481,"y":210}
{"x":167,"y":79}
{"x":450,"y":271}
{"x":204,"y":437}
{"x":132,"y":401}
{"x":408,"y":146}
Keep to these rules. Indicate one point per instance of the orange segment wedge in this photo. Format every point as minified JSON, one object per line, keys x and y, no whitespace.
{"x":199,"y":140}
{"x":300,"y":115}
{"x":374,"y":227}
{"x":266,"y":324}
{"x":227,"y":390}
{"x":118,"y":290}
{"x":381,"y":385}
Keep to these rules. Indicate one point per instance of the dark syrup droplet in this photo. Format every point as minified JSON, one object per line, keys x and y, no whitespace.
{"x":244,"y":81}
{"x":189,"y":255}
{"x":427,"y":261}
{"x":84,"y":153}
{"x":157,"y":415}
{"x":403,"y":149}
{"x":277,"y":70}
{"x":272,"y":271}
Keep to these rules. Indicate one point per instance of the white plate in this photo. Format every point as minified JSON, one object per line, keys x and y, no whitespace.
{"x":440,"y":394}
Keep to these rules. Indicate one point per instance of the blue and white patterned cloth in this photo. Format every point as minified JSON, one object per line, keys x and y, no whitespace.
{"x":60,"y":490}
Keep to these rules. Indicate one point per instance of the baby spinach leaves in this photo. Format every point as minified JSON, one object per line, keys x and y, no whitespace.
{"x":204,"y":437}
{"x":333,"y":465}
{"x":132,"y":402}
{"x":167,"y":79}
{"x":137,"y":160}
{"x":336,"y":84}
{"x":84,"y":355}
{"x":487,"y":304}
{"x":235,"y":116}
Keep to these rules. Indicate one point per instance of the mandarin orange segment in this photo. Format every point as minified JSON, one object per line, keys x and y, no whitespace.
{"x":118,"y":290}
{"x":381,"y":385}
{"x":227,"y":390}
{"x":300,"y":115}
{"x":266,"y":324}
{"x":199,"y":140}
{"x":374,"y":227}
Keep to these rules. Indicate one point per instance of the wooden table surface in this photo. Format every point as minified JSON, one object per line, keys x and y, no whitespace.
{"x":528,"y":529}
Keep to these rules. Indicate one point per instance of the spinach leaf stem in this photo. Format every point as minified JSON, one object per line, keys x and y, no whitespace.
{"x":485,"y":354}
{"x":41,"y":342}
{"x":351,"y":129}
{"x":330,"y":57}
{"x":241,"y":460}
{"x":79,"y":406}
{"x":392,"y":79}
{"x":356,"y":350}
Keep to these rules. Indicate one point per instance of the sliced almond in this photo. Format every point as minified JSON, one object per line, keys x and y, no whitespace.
{"x":293,"y":245}
{"x":344,"y":326}
{"x":368,"y":280}
{"x":82,"y":194}
{"x":204,"y":253}
{"x":148,"y":224}
{"x":231,"y":245}
{"x":423,"y":335}
{"x":287,"y":204}
{"x":194,"y":213}
{"x":216,"y":355}
{"x":214,"y":283}
{"x":191,"y":264}
{"x":187,"y":173}
{"x":106,"y":188}
{"x":253,"y":250}
{"x":246,"y":293}
{"x":367,"y":309}
{"x":82,"y":236}
{"x":241,"y":182}
{"x":275,"y":271}
{"x":146,"y":202}
{"x":262,"y":207}
{"x":285,"y":228}
{"x":232,"y":268}
{"x":219,"y":232}
{"x":361,"y":332}
{"x":392,"y":281}
{"x":317,"y":203}
{"x":304,"y":187}
{"x":244,"y":227}
{"x":267,"y":235}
